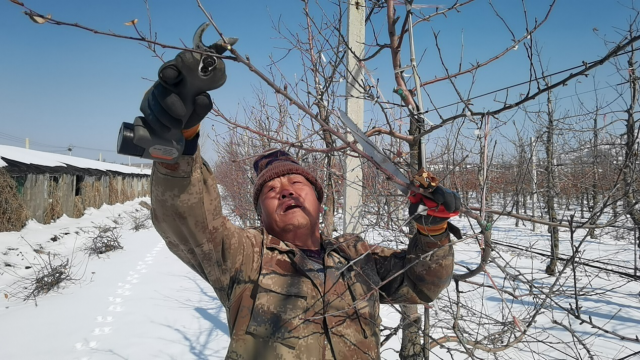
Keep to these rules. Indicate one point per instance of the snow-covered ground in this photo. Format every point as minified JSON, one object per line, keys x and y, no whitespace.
{"x":136,"y":303}
{"x":143,"y":303}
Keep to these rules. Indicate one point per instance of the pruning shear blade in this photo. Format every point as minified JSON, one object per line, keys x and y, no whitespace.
{"x":372,"y":150}
{"x":219,"y":47}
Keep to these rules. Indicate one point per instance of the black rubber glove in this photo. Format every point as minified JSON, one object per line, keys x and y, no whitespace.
{"x":179,"y":99}
{"x":170,"y":105}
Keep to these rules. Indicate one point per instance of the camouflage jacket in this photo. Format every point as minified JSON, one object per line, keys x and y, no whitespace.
{"x":278,"y":304}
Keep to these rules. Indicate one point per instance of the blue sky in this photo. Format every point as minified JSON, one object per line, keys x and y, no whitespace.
{"x":63,"y":86}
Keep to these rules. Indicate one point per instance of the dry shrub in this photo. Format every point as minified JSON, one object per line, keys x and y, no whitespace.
{"x":90,"y":194}
{"x":130,"y":194}
{"x":54,"y":208}
{"x":126,"y":190}
{"x":13,"y":212}
{"x":49,"y":272}
{"x":139,"y":219}
{"x":49,"y":276}
{"x":232,"y":176}
{"x":115,"y":194}
{"x":103,"y":238}
{"x":123,"y":194}
{"x":78,"y":207}
{"x":145,"y":187}
{"x":97,"y":189}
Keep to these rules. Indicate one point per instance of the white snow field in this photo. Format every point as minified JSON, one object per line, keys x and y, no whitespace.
{"x":143,"y":303}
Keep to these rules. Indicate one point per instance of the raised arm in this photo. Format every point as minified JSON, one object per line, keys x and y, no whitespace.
{"x":187,"y":213}
{"x":419,"y":273}
{"x":186,"y":204}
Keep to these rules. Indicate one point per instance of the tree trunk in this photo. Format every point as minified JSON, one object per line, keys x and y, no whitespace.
{"x":631,"y":146}
{"x":595,"y":178}
{"x":411,"y":343}
{"x":551,"y":188}
{"x":517,"y":207}
{"x":411,"y":348}
{"x":408,"y":337}
{"x":328,"y":216}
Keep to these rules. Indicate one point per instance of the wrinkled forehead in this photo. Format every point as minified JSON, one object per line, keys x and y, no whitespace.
{"x":288,"y":178}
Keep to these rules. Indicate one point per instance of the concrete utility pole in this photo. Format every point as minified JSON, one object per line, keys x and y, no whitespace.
{"x":355,"y":109}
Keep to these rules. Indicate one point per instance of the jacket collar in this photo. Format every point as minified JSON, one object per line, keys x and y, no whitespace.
{"x":329,"y":244}
{"x":273,"y":243}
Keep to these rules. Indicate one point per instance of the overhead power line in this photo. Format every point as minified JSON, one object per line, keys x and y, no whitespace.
{"x":22,"y":140}
{"x":530,"y":81}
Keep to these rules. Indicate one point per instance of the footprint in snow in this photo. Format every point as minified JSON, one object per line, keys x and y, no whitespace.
{"x":104,"y":318}
{"x":101,"y":331}
{"x":84,"y":345}
{"x":115,"y":308}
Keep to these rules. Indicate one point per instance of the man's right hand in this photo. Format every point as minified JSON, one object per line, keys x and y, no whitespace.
{"x":179,"y":99}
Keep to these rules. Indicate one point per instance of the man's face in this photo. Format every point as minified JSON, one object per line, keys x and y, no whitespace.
{"x":289,"y":203}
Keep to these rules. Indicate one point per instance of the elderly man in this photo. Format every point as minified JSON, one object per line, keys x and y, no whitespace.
{"x":289,"y":292}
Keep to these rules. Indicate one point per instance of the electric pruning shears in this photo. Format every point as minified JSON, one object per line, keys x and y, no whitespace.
{"x":200,"y":72}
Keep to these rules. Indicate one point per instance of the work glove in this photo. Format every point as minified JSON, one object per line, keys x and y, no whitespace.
{"x":179,"y":101}
{"x":431,"y":212}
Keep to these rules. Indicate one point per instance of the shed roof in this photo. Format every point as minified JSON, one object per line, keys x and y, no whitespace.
{"x":23,"y":160}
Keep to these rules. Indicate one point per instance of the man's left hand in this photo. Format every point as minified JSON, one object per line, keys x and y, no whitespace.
{"x":432,"y":213}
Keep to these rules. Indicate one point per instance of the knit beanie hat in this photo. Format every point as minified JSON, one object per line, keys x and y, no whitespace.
{"x":276,"y":163}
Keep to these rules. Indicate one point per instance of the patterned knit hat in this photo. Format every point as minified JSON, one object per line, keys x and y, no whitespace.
{"x":276,"y":163}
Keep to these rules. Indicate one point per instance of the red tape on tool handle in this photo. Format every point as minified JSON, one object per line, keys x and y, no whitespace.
{"x":434,"y":209}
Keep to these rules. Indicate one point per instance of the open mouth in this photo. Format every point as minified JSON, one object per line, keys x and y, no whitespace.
{"x":291,"y":207}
